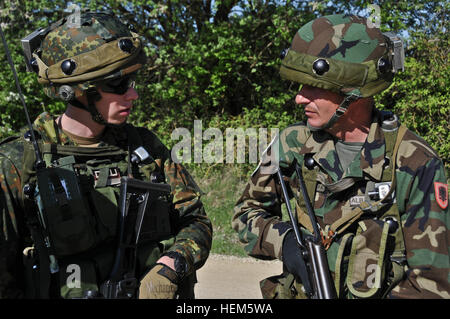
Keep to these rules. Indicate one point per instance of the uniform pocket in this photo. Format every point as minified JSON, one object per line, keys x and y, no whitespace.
{"x":367,"y":262}
{"x":282,"y":286}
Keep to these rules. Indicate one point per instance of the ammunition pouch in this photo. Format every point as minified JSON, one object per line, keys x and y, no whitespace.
{"x":69,"y":223}
{"x":367,"y":269}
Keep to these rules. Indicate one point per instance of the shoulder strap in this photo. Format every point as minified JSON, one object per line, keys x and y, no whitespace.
{"x":8,"y":139}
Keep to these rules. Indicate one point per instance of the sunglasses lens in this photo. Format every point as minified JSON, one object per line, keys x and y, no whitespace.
{"x":118,"y":86}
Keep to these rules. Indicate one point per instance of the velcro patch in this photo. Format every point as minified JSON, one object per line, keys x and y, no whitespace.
{"x":441,"y":194}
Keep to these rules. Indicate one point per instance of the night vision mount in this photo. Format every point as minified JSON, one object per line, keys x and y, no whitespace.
{"x":32,"y":42}
{"x":29,"y":45}
{"x":397,"y":51}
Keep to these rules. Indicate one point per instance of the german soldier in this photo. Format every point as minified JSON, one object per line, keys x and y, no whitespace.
{"x":66,"y":244}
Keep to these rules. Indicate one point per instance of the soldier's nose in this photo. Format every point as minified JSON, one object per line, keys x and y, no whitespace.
{"x":131,"y":94}
{"x":304,"y":96}
{"x":300,"y":98}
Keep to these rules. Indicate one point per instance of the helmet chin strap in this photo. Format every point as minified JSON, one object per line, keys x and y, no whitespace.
{"x":92,"y":97}
{"x":342,"y":108}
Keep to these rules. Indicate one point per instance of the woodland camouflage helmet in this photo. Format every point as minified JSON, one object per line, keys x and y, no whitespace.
{"x":78,"y":53}
{"x":345,"y":54}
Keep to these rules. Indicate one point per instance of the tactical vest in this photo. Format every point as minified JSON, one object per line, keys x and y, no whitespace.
{"x":76,"y":249}
{"x":365,"y":247}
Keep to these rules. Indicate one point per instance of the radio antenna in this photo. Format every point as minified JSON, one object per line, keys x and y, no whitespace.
{"x":39,"y":162}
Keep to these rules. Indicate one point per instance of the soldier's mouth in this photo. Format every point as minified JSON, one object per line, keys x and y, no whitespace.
{"x":309,"y":112}
{"x":125,"y":112}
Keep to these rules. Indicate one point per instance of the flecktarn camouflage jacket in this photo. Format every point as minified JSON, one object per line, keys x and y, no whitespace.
{"x":193,"y":231}
{"x":363,"y":254}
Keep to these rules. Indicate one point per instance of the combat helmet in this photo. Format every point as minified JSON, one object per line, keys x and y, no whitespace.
{"x":82,"y":51}
{"x":345,"y":54}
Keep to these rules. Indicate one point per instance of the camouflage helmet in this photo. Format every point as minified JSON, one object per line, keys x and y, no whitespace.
{"x":79,"y":51}
{"x":341,"y":53}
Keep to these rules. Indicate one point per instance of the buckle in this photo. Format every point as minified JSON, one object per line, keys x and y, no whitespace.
{"x":327,"y":239}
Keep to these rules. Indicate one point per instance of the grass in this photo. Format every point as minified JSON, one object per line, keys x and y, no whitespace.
{"x":223,"y":187}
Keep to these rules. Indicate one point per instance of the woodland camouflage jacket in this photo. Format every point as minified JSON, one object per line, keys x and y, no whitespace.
{"x":194,"y":231}
{"x":421,"y":199}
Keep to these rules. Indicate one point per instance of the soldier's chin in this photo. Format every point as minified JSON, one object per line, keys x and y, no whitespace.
{"x":314,"y":128}
{"x":118,"y":123}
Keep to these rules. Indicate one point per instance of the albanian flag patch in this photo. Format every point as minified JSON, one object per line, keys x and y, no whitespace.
{"x":441,"y":193}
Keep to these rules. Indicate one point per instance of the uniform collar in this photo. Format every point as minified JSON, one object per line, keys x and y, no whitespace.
{"x":370,"y":161}
{"x":50,"y":132}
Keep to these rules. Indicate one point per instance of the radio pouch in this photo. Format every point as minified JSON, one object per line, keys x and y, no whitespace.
{"x":63,"y":210}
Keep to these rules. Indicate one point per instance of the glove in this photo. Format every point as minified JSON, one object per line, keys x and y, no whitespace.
{"x":159,"y":283}
{"x":292,"y":256}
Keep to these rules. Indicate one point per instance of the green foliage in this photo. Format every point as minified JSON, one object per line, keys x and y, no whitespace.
{"x":420,"y":95}
{"x":19,"y":18}
{"x":217,"y":61}
{"x":220,"y":188}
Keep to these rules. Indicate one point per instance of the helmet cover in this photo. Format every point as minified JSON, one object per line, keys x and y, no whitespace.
{"x":98,"y":48}
{"x":341,"y":53}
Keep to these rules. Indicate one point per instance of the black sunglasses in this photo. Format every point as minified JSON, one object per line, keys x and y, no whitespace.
{"x":117,"y":86}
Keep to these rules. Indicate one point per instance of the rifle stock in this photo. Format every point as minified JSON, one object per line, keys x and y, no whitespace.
{"x":134,"y":193}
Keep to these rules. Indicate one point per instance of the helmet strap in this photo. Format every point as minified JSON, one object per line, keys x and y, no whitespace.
{"x":93,"y":96}
{"x":341,"y":109}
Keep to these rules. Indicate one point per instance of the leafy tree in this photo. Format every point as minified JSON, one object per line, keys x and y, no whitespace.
{"x":218,"y":61}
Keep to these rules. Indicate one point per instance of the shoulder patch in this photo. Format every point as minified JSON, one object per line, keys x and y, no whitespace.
{"x":441,"y":194}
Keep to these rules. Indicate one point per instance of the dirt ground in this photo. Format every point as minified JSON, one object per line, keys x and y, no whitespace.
{"x":230,"y":277}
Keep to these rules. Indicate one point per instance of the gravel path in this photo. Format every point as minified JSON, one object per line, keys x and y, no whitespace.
{"x":230,"y":277}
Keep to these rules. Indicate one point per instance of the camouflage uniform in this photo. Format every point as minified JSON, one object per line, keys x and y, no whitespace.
{"x":14,"y":234}
{"x":365,"y":258}
{"x":191,"y":230}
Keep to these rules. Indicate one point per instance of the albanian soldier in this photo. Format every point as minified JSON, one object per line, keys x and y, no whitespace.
{"x":379,"y":193}
{"x":66,"y":244}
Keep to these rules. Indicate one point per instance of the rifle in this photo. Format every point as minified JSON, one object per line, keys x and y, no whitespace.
{"x":137,"y":198}
{"x":314,"y":272}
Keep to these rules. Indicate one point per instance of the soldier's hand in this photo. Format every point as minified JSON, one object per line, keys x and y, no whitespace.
{"x":159,"y":283}
{"x":291,"y":255}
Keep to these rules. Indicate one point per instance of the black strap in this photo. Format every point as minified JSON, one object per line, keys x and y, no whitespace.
{"x":92,"y":96}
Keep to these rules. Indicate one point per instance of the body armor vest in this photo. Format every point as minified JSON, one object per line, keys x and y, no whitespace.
{"x":77,"y":198}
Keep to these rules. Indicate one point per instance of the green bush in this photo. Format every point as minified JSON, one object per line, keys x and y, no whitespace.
{"x":219,"y":63}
